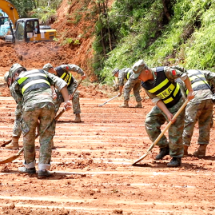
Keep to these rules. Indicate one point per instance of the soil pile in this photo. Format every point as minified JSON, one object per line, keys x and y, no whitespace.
{"x":73,"y":45}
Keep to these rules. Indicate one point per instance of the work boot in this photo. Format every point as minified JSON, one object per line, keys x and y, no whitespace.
{"x":163,"y":152}
{"x":77,"y":118}
{"x":201,"y":151}
{"x":139,"y":105}
{"x":125,"y":105}
{"x":44,"y":174}
{"x":14,"y":145}
{"x":27,"y":170}
{"x":175,"y":162}
{"x":185,"y":150}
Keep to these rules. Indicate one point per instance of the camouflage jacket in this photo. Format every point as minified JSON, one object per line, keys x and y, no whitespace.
{"x":123,"y":75}
{"x":72,"y":67}
{"x":37,"y":98}
{"x":205,"y":93}
{"x":18,"y":111}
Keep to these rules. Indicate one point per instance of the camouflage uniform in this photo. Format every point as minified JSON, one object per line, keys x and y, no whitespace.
{"x":71,"y":87}
{"x":156,"y":118}
{"x":200,"y":108}
{"x":130,"y":84}
{"x":38,"y":105}
{"x":17,"y":130}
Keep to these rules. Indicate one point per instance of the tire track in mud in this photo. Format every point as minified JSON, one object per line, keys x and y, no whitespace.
{"x":92,"y":161}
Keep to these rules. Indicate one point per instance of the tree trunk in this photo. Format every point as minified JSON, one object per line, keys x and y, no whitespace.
{"x":166,"y":10}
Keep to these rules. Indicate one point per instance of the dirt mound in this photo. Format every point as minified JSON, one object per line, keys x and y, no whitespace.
{"x":73,"y":45}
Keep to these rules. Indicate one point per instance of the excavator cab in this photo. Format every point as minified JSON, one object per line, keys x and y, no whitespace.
{"x":29,"y":30}
{"x":4,"y":26}
{"x":26,"y":30}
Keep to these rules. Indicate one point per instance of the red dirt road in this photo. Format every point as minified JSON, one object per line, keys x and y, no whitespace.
{"x":93,"y":171}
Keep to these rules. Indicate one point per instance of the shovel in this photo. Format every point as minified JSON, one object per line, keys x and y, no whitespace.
{"x":162,"y":133}
{"x":108,"y":101}
{"x":9,"y":141}
{"x":10,"y":159}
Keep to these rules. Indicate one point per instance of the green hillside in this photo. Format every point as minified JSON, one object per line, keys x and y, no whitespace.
{"x":162,"y":32}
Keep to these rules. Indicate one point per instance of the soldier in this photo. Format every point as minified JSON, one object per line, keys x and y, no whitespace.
{"x":33,"y":92}
{"x":199,"y":109}
{"x":159,"y":83}
{"x":17,"y":131}
{"x":62,"y":71}
{"x":123,"y":75}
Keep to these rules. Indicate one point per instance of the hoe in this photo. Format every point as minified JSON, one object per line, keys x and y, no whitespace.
{"x":10,"y":159}
{"x":161,"y":134}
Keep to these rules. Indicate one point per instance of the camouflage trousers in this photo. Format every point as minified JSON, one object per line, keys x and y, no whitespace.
{"x":135,"y":85}
{"x":17,"y":130}
{"x":202,"y":112}
{"x":45,"y":116}
{"x":75,"y":100}
{"x":156,"y":118}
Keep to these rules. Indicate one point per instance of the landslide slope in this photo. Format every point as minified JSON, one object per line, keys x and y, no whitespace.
{"x":73,"y":44}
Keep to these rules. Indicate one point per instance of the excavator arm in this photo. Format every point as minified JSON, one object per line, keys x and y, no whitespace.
{"x":10,"y":10}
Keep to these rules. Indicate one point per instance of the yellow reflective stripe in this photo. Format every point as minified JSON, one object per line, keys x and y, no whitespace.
{"x":195,"y":77}
{"x":166,"y":92}
{"x":34,"y":82}
{"x":128,"y":75}
{"x":176,"y":90}
{"x":198,"y":83}
{"x":159,"y":86}
{"x":70,"y":76}
{"x":21,"y":80}
{"x":168,"y":100}
{"x":64,"y":74}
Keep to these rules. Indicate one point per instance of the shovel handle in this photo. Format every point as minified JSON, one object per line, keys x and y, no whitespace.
{"x":162,"y":133}
{"x":6,"y":143}
{"x":56,"y":118}
{"x":108,"y":101}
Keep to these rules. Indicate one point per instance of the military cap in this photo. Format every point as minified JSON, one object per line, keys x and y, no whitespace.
{"x":137,"y":68}
{"x":47,"y":67}
{"x":14,"y":68}
{"x":115,"y":71}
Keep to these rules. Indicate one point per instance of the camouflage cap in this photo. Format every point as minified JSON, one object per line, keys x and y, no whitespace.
{"x":6,"y":76}
{"x":115,"y":71}
{"x":137,"y":68}
{"x":15,"y":68}
{"x":47,"y":67}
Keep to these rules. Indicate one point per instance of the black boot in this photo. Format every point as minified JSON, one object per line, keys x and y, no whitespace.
{"x":27,"y":170}
{"x":163,"y":153}
{"x":175,"y":162}
{"x":44,"y":174}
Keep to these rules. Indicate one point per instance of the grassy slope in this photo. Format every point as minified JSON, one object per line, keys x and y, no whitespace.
{"x":188,"y":39}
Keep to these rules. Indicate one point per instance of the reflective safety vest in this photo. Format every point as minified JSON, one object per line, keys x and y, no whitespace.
{"x":65,"y":75}
{"x":129,"y":71}
{"x":167,"y":91}
{"x":33,"y":80}
{"x":198,"y":81}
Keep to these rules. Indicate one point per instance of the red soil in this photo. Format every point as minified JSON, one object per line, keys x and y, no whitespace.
{"x":93,"y":160}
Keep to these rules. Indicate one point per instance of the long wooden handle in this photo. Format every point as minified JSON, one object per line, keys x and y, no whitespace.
{"x":162,"y":133}
{"x":56,"y":118}
{"x":76,"y":87}
{"x":108,"y":101}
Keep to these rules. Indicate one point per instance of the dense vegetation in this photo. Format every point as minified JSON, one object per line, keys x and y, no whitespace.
{"x":42,"y":9}
{"x":162,"y":32}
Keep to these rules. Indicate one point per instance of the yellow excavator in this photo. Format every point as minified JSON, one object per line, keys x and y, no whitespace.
{"x":25,"y":29}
